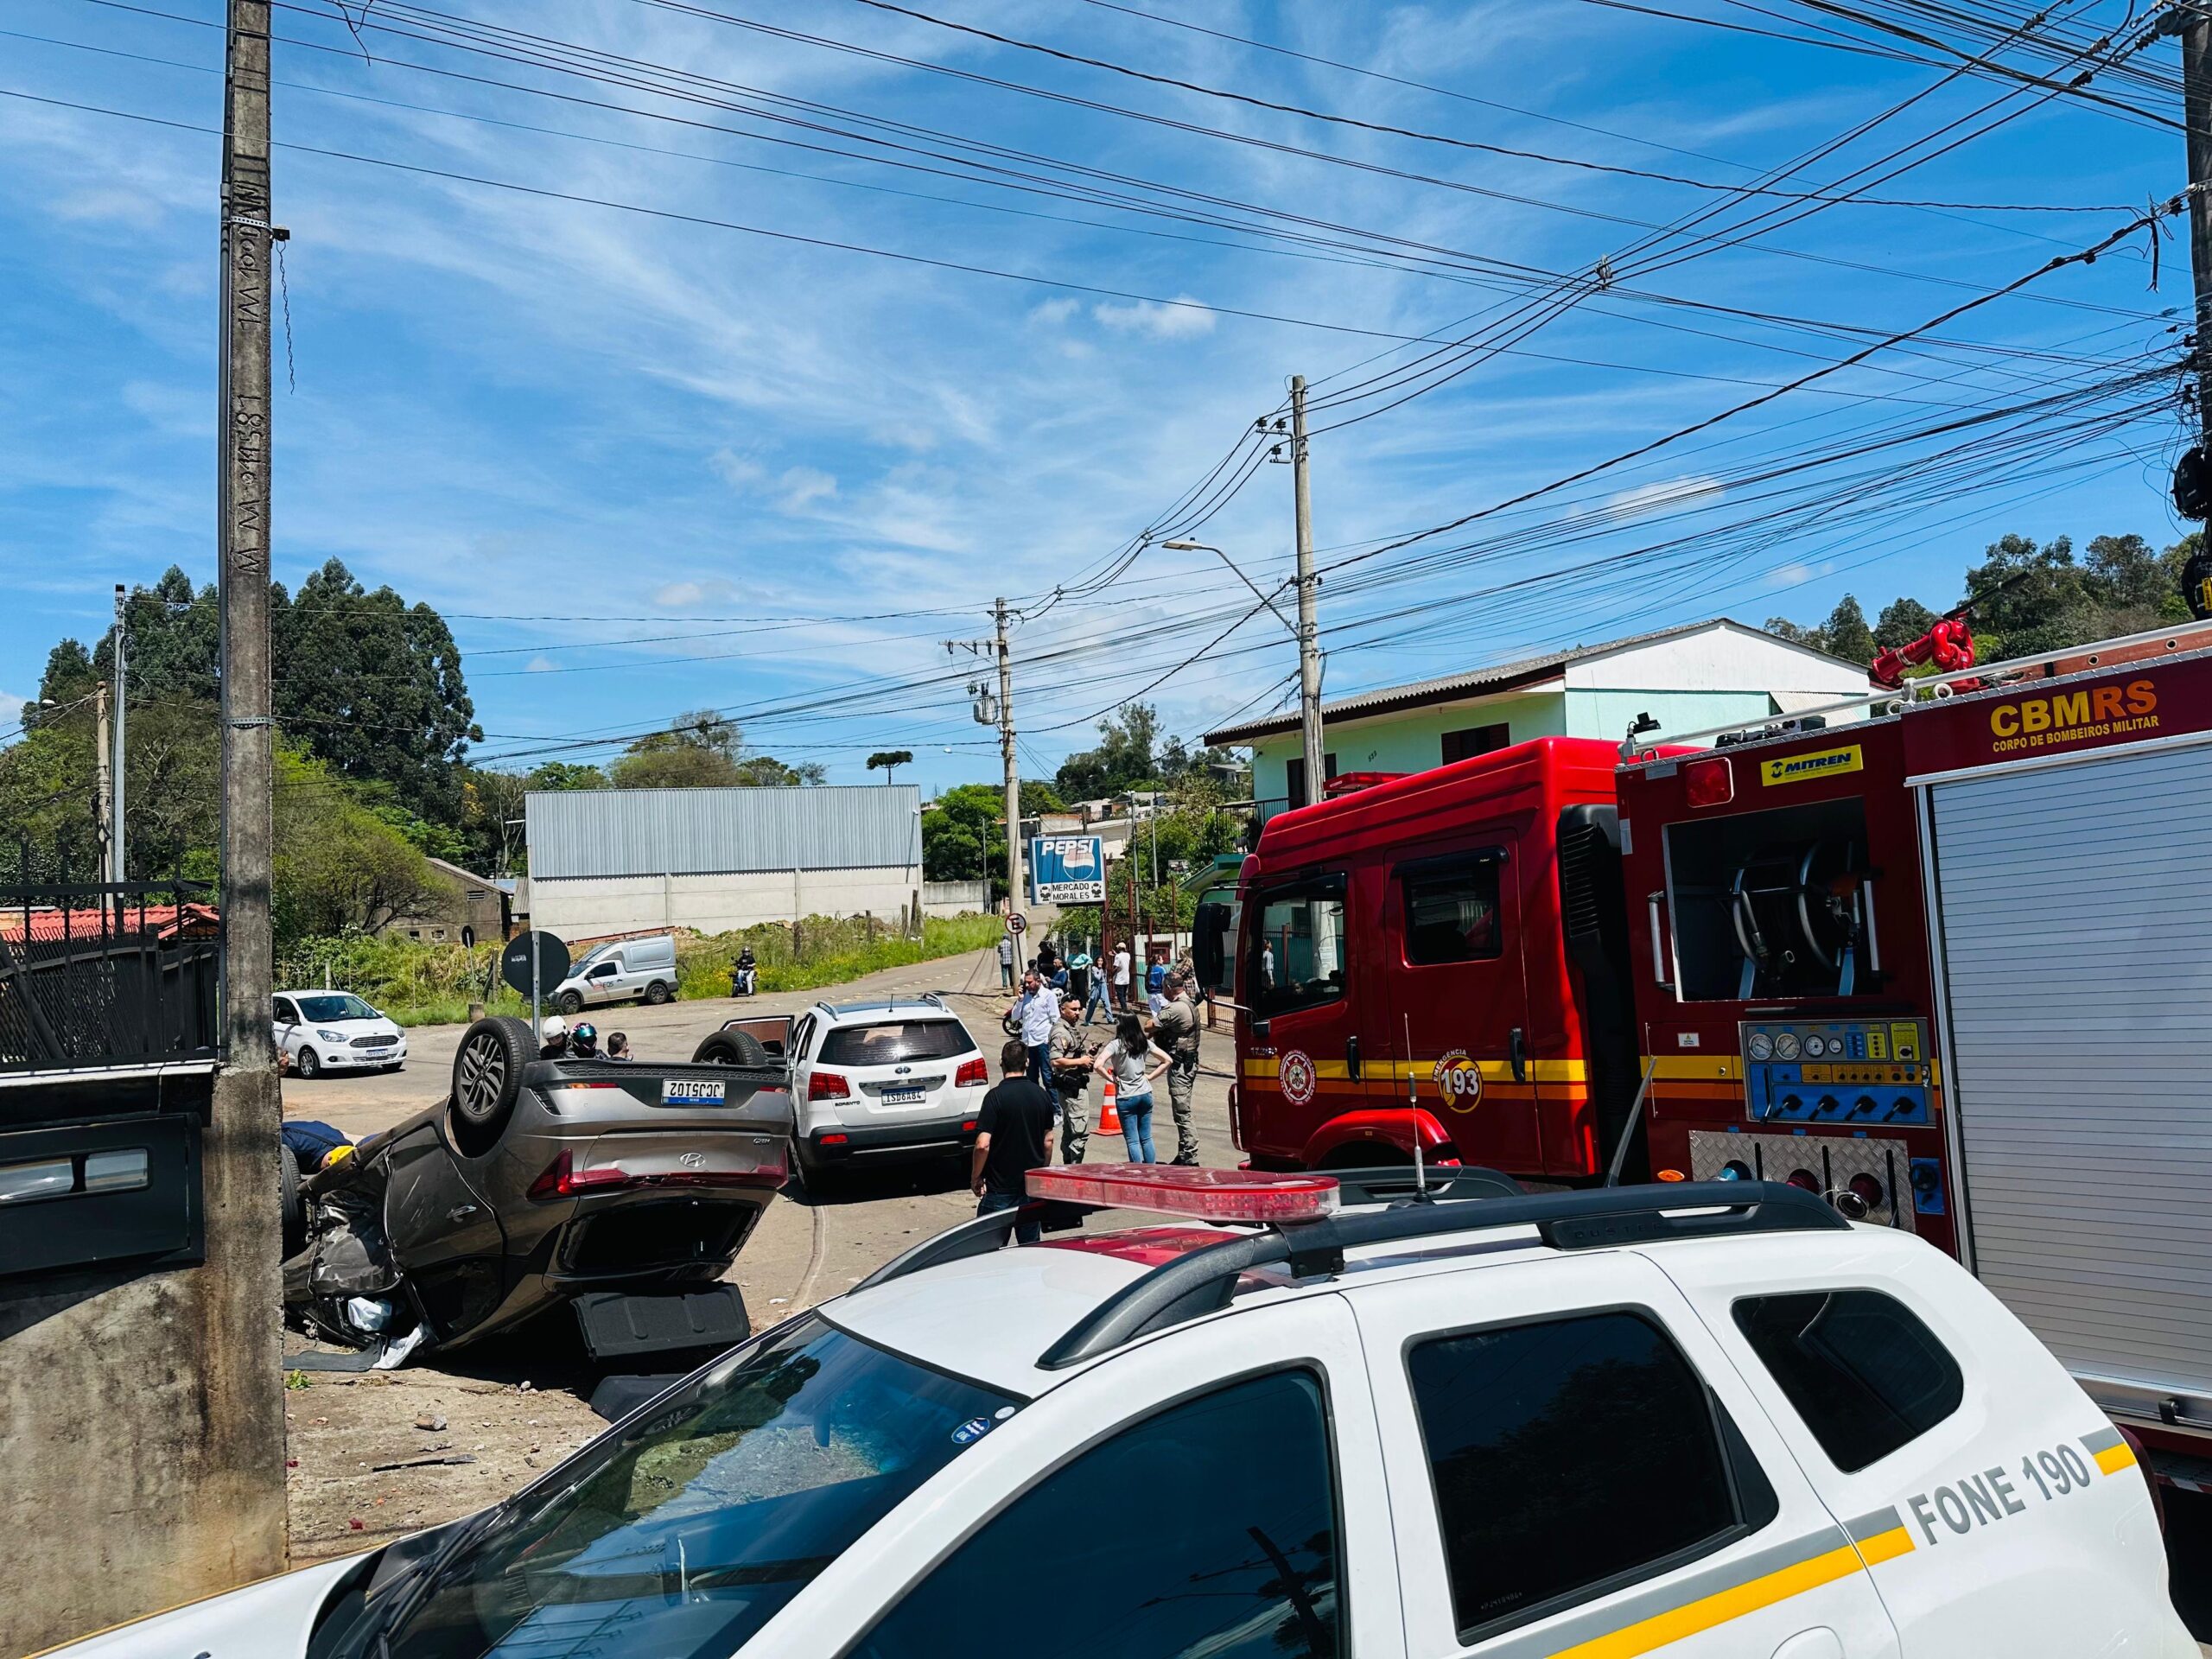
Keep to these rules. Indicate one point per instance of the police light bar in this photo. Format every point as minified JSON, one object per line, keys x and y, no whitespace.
{"x":1178,"y":1190}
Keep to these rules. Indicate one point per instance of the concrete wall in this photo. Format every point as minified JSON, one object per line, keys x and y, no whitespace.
{"x":142,"y":1414}
{"x":584,"y":908}
{"x":955,"y":898}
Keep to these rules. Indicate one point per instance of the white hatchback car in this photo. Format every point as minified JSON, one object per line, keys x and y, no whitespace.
{"x":335,"y":1031}
{"x":1711,"y":1421}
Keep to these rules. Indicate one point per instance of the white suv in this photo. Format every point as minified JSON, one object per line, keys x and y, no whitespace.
{"x":335,"y":1031}
{"x":1706,"y":1421}
{"x":882,"y":1083}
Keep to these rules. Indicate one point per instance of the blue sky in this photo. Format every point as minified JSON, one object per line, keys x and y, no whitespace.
{"x":647,"y":463}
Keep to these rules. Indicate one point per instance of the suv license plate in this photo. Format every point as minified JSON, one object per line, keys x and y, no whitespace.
{"x":692,"y":1091}
{"x":905,"y":1094}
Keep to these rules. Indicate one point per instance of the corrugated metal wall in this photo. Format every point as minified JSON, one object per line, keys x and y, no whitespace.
{"x":715,"y":831}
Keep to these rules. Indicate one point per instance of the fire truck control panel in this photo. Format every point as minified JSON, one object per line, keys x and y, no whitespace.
{"x":1855,"y":1072}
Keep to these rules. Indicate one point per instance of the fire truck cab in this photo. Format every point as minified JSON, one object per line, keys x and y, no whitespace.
{"x":1438,"y":962}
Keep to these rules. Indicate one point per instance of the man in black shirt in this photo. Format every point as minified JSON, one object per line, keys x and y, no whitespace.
{"x":1014,"y":1135}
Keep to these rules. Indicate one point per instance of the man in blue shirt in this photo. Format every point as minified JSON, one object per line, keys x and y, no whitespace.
{"x":1034,"y":1016}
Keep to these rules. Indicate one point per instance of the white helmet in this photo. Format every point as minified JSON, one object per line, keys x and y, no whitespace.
{"x":554,"y":1027}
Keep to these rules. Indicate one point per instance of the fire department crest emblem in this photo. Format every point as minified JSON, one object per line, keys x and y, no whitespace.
{"x":1459,"y":1080}
{"x":1297,"y":1076}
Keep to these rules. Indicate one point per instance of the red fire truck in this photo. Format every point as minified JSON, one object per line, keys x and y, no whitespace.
{"x":1942,"y":958}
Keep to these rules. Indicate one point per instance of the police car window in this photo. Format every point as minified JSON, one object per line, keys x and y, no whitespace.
{"x":1208,"y":1530}
{"x":1452,"y":911}
{"x":1862,"y":1371}
{"x":1298,"y":948}
{"x":1570,"y":1458}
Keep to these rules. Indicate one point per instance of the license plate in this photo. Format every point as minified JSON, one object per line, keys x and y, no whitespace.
{"x":905,"y":1095}
{"x":692,"y":1091}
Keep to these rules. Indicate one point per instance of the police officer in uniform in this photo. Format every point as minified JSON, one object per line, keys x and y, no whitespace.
{"x":1071,"y":1067}
{"x":1176,"y":1030}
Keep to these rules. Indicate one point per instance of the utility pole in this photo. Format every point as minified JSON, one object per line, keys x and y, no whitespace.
{"x":2196,"y":113}
{"x":1309,"y":640}
{"x":1012,"y":762}
{"x":115,"y":806}
{"x":104,"y":755}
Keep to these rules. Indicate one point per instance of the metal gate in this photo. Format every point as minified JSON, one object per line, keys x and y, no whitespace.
{"x":2076,"y":936}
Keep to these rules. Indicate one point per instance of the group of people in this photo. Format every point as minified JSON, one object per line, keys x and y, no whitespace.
{"x":1105,"y":989}
{"x":559,"y":1040}
{"x":1046,"y":1022}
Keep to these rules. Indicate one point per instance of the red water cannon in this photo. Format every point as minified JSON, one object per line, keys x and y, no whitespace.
{"x":1949,"y":644}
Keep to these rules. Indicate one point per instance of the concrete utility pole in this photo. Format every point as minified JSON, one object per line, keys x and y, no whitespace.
{"x":104,"y":755}
{"x":115,"y":866}
{"x":2196,"y":112}
{"x":1309,"y":639}
{"x":1012,"y":762}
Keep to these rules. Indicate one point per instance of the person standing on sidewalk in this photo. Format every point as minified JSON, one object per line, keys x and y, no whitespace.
{"x":1132,"y":1062}
{"x":1176,"y":1030}
{"x":1072,"y":1081}
{"x":1121,"y":978}
{"x":1156,"y":988}
{"x":1079,"y":975}
{"x":1006,"y":962}
{"x":1034,"y":1018}
{"x":1095,"y":1001}
{"x":1014,"y":1135}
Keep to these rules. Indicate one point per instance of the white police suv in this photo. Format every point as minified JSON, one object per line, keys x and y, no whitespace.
{"x":1307,"y":1418}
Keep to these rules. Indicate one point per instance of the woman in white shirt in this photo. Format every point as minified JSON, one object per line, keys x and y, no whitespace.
{"x":1132,"y":1062}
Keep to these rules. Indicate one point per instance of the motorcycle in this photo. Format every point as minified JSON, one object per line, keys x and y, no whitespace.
{"x":623,"y":1190}
{"x":744,"y":978}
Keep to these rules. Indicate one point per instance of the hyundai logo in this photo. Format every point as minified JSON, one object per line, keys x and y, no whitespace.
{"x":692,"y":1160}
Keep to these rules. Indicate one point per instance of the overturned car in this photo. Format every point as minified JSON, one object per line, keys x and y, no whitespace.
{"x":622,"y":1189}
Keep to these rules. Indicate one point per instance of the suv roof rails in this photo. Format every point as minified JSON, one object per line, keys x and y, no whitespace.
{"x":1203,"y":1282}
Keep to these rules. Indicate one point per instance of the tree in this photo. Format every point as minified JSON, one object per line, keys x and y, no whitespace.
{"x":374,"y":686}
{"x":566,"y":774}
{"x":340,"y":868}
{"x":704,"y":750}
{"x":69,"y":674}
{"x":888,"y":760}
{"x":1844,"y":634}
{"x":1122,"y":759}
{"x":1903,"y":621}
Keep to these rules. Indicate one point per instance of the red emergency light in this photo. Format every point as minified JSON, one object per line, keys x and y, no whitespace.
{"x":1710,"y":782}
{"x":1178,"y":1190}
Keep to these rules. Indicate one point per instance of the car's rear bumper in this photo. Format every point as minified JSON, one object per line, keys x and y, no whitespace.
{"x":887,"y":1142}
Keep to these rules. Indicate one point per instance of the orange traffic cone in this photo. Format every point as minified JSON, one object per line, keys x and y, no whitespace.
{"x":1109,"y":1120}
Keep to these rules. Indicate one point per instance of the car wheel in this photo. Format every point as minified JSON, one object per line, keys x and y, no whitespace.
{"x":571,"y":1002}
{"x":291,"y":1206}
{"x":732,"y":1048}
{"x":657,"y":993}
{"x":487,"y":1077}
{"x":815,"y":1181}
{"x":307,"y":1066}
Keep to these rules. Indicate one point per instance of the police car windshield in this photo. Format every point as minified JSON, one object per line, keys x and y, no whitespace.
{"x":684,"y":1533}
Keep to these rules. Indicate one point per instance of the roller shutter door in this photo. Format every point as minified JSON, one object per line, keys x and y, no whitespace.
{"x":2076,"y":917}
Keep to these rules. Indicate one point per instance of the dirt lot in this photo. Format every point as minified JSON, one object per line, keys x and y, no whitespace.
{"x":378,"y":1454}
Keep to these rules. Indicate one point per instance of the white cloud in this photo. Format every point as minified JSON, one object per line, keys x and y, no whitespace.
{"x":676,"y":594}
{"x":1658,"y":498}
{"x":1055,"y":311}
{"x":735,"y":470}
{"x":799,"y":486}
{"x":1179,"y":319}
{"x":536,"y":666}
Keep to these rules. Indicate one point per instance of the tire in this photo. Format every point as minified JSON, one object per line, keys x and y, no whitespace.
{"x":732,"y":1048}
{"x":291,"y":1206}
{"x":657,"y":993}
{"x":487,"y":1078}
{"x":570,"y":1002}
{"x":306,"y":1067}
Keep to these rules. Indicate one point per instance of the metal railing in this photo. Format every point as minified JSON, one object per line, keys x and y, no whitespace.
{"x":107,"y":974}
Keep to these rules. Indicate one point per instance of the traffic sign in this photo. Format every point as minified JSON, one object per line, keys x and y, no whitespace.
{"x":1016,"y":922}
{"x":549,"y":955}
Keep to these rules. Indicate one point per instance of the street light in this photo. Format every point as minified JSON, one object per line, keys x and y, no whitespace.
{"x":1309,"y":657}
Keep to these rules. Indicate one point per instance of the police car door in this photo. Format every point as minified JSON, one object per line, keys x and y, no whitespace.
{"x":1575,"y":1468}
{"x":1999,"y":1512}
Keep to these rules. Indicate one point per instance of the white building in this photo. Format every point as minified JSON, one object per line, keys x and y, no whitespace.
{"x":627,"y":861}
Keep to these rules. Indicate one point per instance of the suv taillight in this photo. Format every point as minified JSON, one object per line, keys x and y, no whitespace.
{"x":827,"y":1085}
{"x":972,"y":1074}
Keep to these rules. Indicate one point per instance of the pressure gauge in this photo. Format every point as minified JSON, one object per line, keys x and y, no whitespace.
{"x":1761,"y":1046}
{"x":1815,"y":1045}
{"x":1785,"y":1046}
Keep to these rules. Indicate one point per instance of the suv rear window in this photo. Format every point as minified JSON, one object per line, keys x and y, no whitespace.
{"x":1863,"y":1372}
{"x":896,"y":1040}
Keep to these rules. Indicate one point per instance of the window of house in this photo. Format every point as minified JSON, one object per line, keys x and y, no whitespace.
{"x":1298,"y":947}
{"x":1570,"y":1458}
{"x":1862,"y":1371}
{"x":1471,"y":741}
{"x":1209,"y":1529}
{"x":1452,"y":908}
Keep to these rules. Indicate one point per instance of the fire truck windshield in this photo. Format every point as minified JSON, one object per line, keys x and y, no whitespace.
{"x":1771,"y":904}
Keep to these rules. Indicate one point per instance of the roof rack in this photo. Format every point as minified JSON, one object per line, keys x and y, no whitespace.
{"x":1203,"y":1282}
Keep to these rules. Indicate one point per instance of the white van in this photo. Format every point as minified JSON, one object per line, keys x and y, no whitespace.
{"x":621,"y":971}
